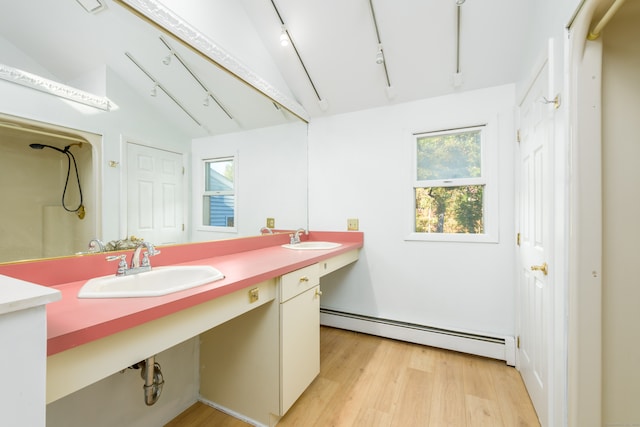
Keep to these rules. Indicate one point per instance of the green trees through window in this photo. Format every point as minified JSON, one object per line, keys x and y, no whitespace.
{"x":449,"y":185}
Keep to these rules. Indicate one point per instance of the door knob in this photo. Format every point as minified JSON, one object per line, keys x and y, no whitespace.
{"x":542,"y":268}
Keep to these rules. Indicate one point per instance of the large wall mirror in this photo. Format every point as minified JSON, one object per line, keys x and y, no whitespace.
{"x":91,"y":93}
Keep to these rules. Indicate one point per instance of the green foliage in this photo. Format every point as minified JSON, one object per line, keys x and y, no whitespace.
{"x":450,"y":209}
{"x":449,"y":156}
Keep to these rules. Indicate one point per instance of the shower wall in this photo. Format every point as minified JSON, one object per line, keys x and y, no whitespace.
{"x":621,"y":213}
{"x":33,"y":223}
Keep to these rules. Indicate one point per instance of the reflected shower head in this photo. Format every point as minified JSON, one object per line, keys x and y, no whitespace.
{"x":41,"y":146}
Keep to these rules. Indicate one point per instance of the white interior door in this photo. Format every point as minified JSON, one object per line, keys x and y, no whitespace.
{"x":155,"y":189}
{"x":535,"y":318}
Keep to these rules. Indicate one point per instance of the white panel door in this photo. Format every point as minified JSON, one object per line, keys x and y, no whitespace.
{"x":155,"y":188}
{"x":535,"y":222}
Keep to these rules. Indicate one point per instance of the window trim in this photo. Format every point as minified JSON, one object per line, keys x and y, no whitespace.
{"x":202,"y":193}
{"x":489,"y":178}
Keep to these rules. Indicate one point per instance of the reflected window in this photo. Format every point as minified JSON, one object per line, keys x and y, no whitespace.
{"x":219,"y":197}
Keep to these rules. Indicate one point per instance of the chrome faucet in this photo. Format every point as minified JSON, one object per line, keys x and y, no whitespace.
{"x":136,"y":266}
{"x":266,"y":230}
{"x":295,"y":238}
{"x":135,"y":258}
{"x":96,"y":245}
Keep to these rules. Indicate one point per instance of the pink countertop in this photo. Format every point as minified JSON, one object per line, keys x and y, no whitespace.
{"x":244,"y":262}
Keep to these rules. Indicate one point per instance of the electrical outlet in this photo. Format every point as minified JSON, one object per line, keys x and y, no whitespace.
{"x":271,"y":222}
{"x":352,"y":224}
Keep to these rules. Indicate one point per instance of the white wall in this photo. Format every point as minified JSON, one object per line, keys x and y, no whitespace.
{"x":360,"y":167}
{"x":270,"y":178}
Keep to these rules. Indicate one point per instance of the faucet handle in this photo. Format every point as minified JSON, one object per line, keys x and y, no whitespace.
{"x":122,"y":265}
{"x":147,"y":254}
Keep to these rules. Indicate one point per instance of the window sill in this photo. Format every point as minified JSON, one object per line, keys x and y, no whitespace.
{"x":451,"y":237}
{"x":217,"y":229}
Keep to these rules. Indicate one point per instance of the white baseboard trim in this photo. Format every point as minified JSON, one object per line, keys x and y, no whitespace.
{"x":495,"y":347}
{"x":231,"y":413}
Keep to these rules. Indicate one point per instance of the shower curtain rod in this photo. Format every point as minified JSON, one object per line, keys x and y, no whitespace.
{"x":43,"y":132}
{"x":595,"y":33}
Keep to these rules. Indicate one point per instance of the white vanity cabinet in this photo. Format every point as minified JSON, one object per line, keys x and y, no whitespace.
{"x":299,"y":333}
{"x":257,"y":365}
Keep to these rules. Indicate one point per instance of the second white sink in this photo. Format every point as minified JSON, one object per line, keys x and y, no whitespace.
{"x":312,"y":245}
{"x":158,"y":281}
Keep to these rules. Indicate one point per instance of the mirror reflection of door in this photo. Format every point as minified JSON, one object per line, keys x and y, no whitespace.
{"x":155,"y":195}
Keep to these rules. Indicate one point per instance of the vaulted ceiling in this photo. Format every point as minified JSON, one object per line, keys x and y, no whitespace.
{"x":338,"y":43}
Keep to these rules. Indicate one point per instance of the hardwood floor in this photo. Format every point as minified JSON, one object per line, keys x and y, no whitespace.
{"x":371,"y":381}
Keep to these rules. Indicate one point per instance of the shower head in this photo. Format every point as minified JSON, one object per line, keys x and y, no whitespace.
{"x":41,"y":146}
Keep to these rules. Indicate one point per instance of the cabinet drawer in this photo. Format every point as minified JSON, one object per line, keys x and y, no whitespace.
{"x":299,"y":281}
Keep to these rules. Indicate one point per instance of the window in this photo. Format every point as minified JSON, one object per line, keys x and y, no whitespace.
{"x":219,"y":197}
{"x":451,"y":186}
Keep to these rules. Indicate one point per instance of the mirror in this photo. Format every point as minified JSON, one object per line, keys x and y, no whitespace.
{"x":112,"y":79}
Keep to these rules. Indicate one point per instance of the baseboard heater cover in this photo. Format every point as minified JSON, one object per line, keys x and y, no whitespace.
{"x":495,"y":347}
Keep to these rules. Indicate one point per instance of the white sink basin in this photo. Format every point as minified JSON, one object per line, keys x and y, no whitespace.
{"x":310,"y":245}
{"x":158,"y":281}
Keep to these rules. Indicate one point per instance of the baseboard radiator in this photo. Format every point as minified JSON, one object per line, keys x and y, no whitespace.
{"x":501,"y":348}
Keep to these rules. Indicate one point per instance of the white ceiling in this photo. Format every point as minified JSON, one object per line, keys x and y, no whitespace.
{"x":337,"y":42}
{"x":336,"y":39}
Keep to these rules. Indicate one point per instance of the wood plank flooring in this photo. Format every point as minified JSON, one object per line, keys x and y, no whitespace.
{"x":372,"y":381}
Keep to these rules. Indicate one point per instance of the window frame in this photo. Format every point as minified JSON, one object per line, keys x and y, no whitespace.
{"x":488,"y":178}
{"x":203,"y":193}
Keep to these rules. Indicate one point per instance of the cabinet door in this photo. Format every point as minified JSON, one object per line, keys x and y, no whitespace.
{"x":300,"y":341}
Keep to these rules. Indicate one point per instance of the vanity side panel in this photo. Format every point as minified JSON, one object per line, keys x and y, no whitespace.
{"x":239,"y":365}
{"x":22,"y":367}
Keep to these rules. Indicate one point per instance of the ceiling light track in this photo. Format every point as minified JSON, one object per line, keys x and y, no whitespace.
{"x":159,"y":86}
{"x":285,"y":32}
{"x":209,"y":94}
{"x":380,"y":58}
{"x":457,"y":76}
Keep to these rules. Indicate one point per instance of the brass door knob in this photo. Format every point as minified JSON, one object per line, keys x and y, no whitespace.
{"x":543,"y":268}
{"x":304,"y":279}
{"x":318,"y":292}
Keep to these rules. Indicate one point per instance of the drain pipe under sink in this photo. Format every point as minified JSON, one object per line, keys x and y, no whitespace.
{"x":153,"y":380}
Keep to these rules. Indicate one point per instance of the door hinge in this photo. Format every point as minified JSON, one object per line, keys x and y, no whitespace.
{"x":518,"y":239}
{"x":182,"y":227}
{"x":183,"y":170}
{"x":518,"y":341}
{"x":518,"y":136}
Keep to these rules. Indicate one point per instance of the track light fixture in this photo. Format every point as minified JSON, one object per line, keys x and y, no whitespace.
{"x":167,"y":59}
{"x":379,"y":55}
{"x":154,"y":89}
{"x":206,"y":100}
{"x":284,"y":37}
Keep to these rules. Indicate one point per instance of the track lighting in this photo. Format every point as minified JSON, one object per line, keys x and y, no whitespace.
{"x":284,"y":37}
{"x":154,"y":90}
{"x":379,"y":56}
{"x":92,"y":6}
{"x":206,"y":100}
{"x":167,"y":60}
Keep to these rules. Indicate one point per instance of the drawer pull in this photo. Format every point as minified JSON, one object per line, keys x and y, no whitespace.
{"x":318,"y":292}
{"x":304,"y":279}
